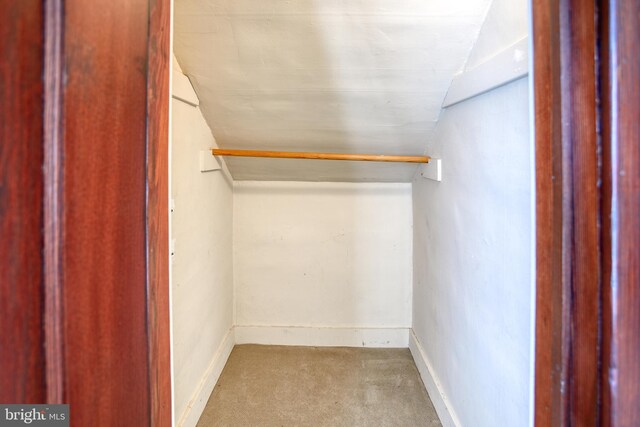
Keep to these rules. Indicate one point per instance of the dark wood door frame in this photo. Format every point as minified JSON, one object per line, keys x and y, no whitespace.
{"x":106,"y":210}
{"x":157,"y":224}
{"x":22,"y":361}
{"x":587,"y":110}
{"x":567,"y":247}
{"x":84,"y":208}
{"x":620,"y":83}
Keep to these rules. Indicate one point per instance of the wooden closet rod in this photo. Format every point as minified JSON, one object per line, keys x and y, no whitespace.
{"x":320,"y":156}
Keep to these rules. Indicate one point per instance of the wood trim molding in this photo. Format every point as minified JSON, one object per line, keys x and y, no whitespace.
{"x":549,"y":332}
{"x":620,"y":59}
{"x":53,"y":212}
{"x":158,"y":213}
{"x":22,"y":358}
{"x":582,"y":266}
{"x":104,"y":257}
{"x":84,"y":248}
{"x":587,"y":104}
{"x":567,"y":214}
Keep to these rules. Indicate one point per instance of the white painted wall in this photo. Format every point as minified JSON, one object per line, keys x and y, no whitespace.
{"x":472,"y":297}
{"x":321,"y":255}
{"x":202,"y":269}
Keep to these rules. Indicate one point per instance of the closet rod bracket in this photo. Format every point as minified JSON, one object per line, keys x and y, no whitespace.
{"x":432,"y":170}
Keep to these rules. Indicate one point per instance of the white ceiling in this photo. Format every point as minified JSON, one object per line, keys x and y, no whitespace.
{"x":352,"y":76}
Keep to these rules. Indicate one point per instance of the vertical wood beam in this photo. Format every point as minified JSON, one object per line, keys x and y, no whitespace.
{"x":22,"y":359}
{"x":53,"y":211}
{"x":582,"y":260}
{"x":548,"y":154}
{"x":158,"y":212}
{"x":83,"y":254}
{"x":567,"y":200}
{"x":621,"y":212}
{"x":104,"y":212}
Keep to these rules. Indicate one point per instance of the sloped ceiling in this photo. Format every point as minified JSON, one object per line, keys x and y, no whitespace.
{"x":352,"y":76}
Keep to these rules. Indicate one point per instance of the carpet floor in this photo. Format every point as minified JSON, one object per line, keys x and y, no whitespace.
{"x":319,"y":386}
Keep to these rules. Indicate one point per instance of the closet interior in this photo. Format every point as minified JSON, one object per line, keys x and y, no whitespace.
{"x":352,"y":213}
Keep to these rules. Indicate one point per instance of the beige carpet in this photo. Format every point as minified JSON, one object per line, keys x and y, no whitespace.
{"x":311,"y":386}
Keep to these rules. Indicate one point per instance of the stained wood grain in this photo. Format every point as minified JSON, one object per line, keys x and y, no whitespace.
{"x":104,"y":176}
{"x":549,"y":352}
{"x":158,"y":213}
{"x":621,"y":213}
{"x":567,"y":213}
{"x":580,"y":135}
{"x":22,"y":360}
{"x":86,"y":318}
{"x":53,"y":209}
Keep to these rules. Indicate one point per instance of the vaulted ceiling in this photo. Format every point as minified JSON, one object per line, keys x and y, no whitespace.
{"x":352,"y":76}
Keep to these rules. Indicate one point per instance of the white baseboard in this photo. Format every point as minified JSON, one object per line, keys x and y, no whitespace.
{"x":323,"y":336}
{"x":443,"y":407}
{"x":198,"y":401}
